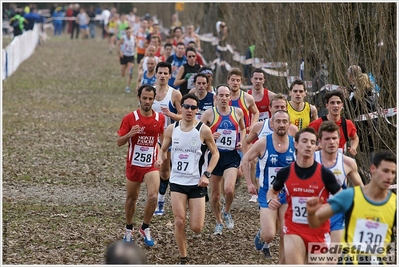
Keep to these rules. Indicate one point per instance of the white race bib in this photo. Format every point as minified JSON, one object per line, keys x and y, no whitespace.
{"x":227,"y":139}
{"x":272,"y":175}
{"x":142,"y":156}
{"x":368,"y":232}
{"x":183,"y":162}
{"x":263,"y":116}
{"x":299,"y":212}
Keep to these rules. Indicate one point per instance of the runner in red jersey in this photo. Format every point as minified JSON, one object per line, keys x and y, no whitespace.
{"x":303,"y":179}
{"x":141,"y":130}
{"x":261,"y":95}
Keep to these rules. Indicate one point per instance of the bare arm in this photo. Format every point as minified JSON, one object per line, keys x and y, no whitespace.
{"x":242,"y":130}
{"x":318,"y":212}
{"x":353,"y":173}
{"x":210,"y":142}
{"x":118,"y":47}
{"x":176,"y":98}
{"x":252,"y":136}
{"x":141,"y":65}
{"x":121,"y":140}
{"x":255,"y":151}
{"x":292,"y":129}
{"x":274,"y":204}
{"x":139,"y":78}
{"x":253,"y":109}
{"x":166,"y":141}
{"x":313,"y":112}
{"x":354,"y":144}
{"x":179,"y":77}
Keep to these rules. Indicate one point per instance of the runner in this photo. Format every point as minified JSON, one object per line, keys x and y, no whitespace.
{"x":342,"y":166}
{"x":167,"y":101}
{"x":190,"y":175}
{"x":274,"y":151}
{"x":141,"y":129}
{"x":301,"y":180}
{"x":301,"y":112}
{"x":126,"y":49}
{"x":227,"y":125}
{"x":371,"y":205}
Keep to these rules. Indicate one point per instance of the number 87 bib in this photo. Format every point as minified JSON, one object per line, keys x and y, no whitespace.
{"x":183,"y":163}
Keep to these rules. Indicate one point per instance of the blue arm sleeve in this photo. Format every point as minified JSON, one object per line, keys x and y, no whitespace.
{"x":342,"y":201}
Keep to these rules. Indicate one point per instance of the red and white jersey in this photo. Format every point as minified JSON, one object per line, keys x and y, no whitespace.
{"x":142,"y":150}
{"x":297,"y":193}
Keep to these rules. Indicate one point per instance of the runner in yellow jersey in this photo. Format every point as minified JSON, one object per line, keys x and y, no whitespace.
{"x":301,"y":112}
{"x":370,"y":215}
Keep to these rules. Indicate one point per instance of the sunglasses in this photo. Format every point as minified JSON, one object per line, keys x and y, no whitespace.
{"x":190,"y":56}
{"x":187,"y":106}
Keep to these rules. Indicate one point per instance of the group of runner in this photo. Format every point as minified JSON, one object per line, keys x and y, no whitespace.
{"x":194,"y":136}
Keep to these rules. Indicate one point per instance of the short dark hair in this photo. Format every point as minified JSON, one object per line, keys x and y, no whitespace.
{"x":383,"y":155}
{"x":305,"y":130}
{"x":192,"y":49}
{"x":121,"y":252}
{"x":189,"y":96}
{"x":332,"y":93}
{"x":201,"y":75}
{"x":329,"y":127}
{"x":148,"y":88}
{"x":176,"y":28}
{"x":180,"y":43}
{"x":299,"y":82}
{"x":168,"y":44}
{"x":259,"y":70}
{"x":164,"y":64}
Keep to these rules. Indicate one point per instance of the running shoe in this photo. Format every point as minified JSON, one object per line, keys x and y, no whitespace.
{"x":128,"y":236}
{"x":254,"y":198}
{"x":229,"y":220}
{"x":266,"y":252}
{"x":160,"y":211}
{"x":147,"y":237}
{"x":218,"y":229}
{"x":258,"y":242}
{"x":127,"y":89}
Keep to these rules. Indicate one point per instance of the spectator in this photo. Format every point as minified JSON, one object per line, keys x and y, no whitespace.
{"x":18,"y":23}
{"x":105,"y":14}
{"x":361,"y":101}
{"x":75,"y":25}
{"x":247,"y":67}
{"x":92,"y":24}
{"x":334,"y":101}
{"x":32,"y":18}
{"x":58,"y":15}
{"x":69,"y":14}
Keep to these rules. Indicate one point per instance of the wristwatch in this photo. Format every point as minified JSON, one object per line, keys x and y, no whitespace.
{"x":207,"y":174}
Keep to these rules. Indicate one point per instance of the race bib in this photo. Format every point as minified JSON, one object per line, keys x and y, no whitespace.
{"x":227,"y":139}
{"x":142,"y":156}
{"x":190,"y":82}
{"x":183,"y":162}
{"x":263,"y":116}
{"x":299,"y":212}
{"x":141,"y":43}
{"x":272,"y":175}
{"x":368,"y":232}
